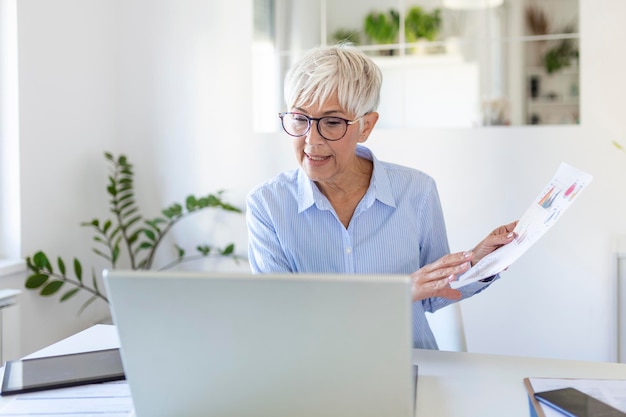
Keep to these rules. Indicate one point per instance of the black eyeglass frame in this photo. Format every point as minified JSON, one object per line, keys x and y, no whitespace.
{"x":317,"y":119}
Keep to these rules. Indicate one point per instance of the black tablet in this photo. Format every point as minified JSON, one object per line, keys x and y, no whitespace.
{"x":574,"y":403}
{"x":28,"y":375}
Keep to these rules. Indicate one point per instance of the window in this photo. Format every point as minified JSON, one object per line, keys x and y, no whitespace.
{"x":9,"y":144}
{"x":486,"y":62}
{"x":266,"y":73}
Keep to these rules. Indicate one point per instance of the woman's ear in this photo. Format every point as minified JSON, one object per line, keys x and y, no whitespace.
{"x":369,"y":121}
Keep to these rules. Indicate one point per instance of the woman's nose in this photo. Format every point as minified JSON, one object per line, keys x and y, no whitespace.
{"x":313,"y":137}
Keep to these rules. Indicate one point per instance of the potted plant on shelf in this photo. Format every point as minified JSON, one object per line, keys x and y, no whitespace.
{"x":382,"y":28}
{"x":563,"y":54}
{"x":421,"y":25}
{"x":128,"y":232}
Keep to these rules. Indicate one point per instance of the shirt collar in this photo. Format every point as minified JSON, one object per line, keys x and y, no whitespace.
{"x":379,"y":189}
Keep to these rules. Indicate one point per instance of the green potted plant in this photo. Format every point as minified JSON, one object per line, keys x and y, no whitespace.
{"x":127,"y":232}
{"x":419,"y":24}
{"x":562,"y":54}
{"x":382,"y":28}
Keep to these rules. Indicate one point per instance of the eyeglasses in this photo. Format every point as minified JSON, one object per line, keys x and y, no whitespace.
{"x":329,"y":127}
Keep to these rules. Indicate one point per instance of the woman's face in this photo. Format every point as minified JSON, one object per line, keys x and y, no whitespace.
{"x":332,"y":162}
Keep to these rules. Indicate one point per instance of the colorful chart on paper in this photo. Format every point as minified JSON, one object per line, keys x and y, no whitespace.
{"x":543,"y":213}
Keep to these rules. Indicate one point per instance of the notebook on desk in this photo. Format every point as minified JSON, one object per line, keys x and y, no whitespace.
{"x":264,"y":345}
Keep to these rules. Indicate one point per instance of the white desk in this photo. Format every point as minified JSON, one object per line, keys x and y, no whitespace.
{"x":454,"y":384}
{"x":450,"y":384}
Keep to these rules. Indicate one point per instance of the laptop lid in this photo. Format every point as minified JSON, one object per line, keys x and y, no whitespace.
{"x":228,"y":344}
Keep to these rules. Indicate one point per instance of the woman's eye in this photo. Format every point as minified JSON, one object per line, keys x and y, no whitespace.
{"x":332,"y":122}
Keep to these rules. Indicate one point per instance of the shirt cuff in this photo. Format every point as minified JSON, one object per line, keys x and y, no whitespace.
{"x":488,"y":279}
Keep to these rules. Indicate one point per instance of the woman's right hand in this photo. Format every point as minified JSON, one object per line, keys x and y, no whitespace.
{"x":433,"y":280}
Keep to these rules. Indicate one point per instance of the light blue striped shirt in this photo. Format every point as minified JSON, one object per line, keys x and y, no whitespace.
{"x":397,"y":228}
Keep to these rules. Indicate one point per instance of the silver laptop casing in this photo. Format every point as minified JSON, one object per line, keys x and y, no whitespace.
{"x":243,"y":345}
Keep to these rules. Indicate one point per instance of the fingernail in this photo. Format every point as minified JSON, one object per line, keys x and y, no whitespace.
{"x":451,"y":278}
{"x":467,"y":254}
{"x":510,"y":235}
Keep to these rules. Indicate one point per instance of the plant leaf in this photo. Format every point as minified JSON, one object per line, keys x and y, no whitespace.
{"x":115,"y":254}
{"x":229,"y":249}
{"x":102,"y":254}
{"x":145,"y":245}
{"x":86,"y":304}
{"x":149,"y":234}
{"x":126,"y":204}
{"x":180,"y":251}
{"x":203,"y":249}
{"x":52,"y":287}
{"x":30,"y":264}
{"x":61,"y":266}
{"x":78,"y":270}
{"x":175,"y":210}
{"x":36,"y":281}
{"x":191,"y":203}
{"x":135,"y":235}
{"x":69,"y":294}
{"x":99,"y":239}
{"x":133,"y":221}
{"x":41,"y":261}
{"x":94,"y":281}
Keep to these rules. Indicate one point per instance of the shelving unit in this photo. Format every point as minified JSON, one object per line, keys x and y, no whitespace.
{"x":551,"y":62}
{"x":553,"y":98}
{"x":488,"y":57}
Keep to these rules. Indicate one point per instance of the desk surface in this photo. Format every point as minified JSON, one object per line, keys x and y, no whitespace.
{"x":470,"y":384}
{"x":450,"y":384}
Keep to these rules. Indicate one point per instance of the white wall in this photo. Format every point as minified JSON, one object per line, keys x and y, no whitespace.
{"x":67,"y":99}
{"x":138,"y":77}
{"x":559,"y":299}
{"x":168,"y":83}
{"x":9,"y":143}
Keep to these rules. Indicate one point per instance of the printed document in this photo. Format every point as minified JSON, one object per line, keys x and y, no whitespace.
{"x":542,"y":214}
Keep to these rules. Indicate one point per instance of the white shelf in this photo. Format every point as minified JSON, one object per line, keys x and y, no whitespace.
{"x":572,"y":70}
{"x":545,"y":102}
{"x":7,"y":297}
{"x":11,"y":266}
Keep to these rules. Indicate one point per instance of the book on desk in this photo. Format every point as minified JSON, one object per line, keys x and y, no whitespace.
{"x":609,"y":391}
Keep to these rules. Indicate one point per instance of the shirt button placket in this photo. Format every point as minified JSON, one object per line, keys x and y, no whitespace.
{"x":348,"y":255}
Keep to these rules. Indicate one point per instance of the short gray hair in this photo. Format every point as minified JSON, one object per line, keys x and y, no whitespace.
{"x":341,"y":69}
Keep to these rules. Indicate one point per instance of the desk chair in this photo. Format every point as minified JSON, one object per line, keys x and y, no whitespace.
{"x":447,"y":326}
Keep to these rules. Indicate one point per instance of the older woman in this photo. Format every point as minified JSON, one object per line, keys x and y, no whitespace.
{"x":343,"y":210}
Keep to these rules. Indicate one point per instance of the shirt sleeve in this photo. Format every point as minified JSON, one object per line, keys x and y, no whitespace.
{"x":434,"y":239}
{"x":435,"y":245}
{"x":265,"y":252}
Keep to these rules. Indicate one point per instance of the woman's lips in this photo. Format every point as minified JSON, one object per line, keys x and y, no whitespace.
{"x":317,"y":158}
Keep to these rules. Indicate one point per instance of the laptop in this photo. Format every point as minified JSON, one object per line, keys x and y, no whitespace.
{"x":278,"y":345}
